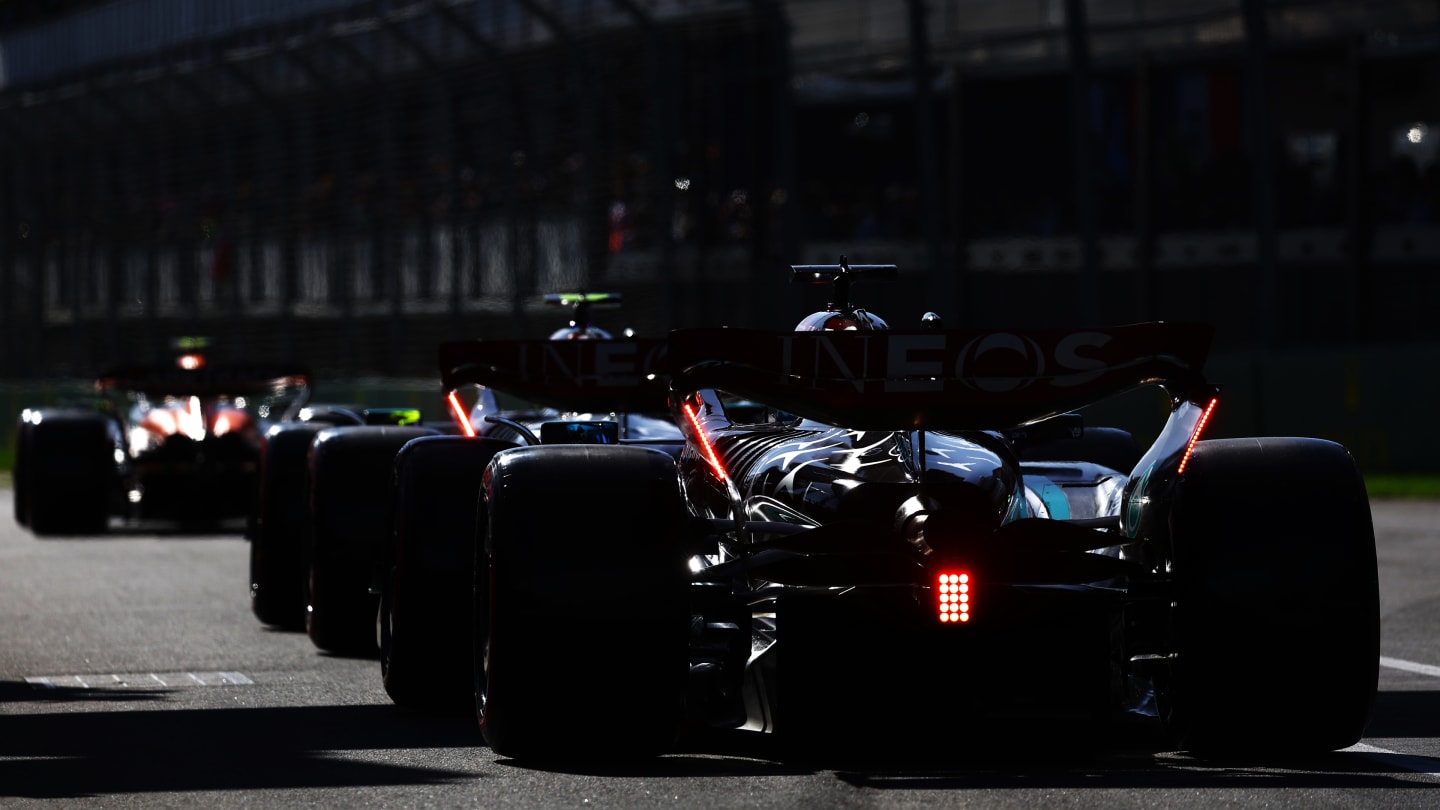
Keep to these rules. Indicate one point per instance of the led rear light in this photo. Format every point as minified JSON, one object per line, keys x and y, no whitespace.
{"x":705,"y":445}
{"x":954,"y":597}
{"x":460,"y":416}
{"x":192,"y":420}
{"x":1195,"y":435}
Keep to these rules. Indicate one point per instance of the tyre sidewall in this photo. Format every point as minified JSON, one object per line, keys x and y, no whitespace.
{"x":1276,"y":618}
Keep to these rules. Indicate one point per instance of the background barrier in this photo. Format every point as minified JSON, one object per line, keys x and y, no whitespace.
{"x":1376,"y":401}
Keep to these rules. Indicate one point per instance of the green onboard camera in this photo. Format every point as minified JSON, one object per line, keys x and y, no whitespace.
{"x":391,"y":416}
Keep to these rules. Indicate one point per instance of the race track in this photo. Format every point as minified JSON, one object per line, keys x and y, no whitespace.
{"x":132,"y":674}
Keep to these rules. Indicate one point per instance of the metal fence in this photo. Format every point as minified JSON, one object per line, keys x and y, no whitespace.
{"x":348,"y":183}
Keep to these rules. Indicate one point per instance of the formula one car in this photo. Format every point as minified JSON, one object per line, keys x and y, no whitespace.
{"x":588,"y":388}
{"x":157,"y":443}
{"x":917,"y":538}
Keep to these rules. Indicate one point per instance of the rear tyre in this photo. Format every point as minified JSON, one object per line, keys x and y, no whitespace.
{"x":351,"y":474}
{"x":20,"y":474}
{"x":71,"y":473}
{"x":584,"y":633}
{"x":277,"y":563}
{"x":1276,"y":618}
{"x":425,"y":609}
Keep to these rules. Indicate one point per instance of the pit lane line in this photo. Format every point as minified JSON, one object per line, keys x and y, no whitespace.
{"x":1421,"y":766}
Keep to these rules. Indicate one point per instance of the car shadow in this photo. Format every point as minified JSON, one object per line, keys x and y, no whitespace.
{"x":1133,"y":757}
{"x":1405,"y":714}
{"x":131,"y":529}
{"x":104,"y":752}
{"x":100,"y":753}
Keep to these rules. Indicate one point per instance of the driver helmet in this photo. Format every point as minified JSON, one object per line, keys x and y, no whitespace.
{"x":855,"y":320}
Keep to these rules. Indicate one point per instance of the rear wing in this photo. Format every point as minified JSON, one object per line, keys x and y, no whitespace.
{"x":938,"y":379}
{"x":609,"y":376}
{"x":205,"y":381}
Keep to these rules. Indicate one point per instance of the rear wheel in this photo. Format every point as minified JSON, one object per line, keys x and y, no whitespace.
{"x":1276,"y":618}
{"x":20,"y":474}
{"x":277,"y":564}
{"x":584,"y":632}
{"x":351,"y":474}
{"x":425,"y":610}
{"x":71,"y":473}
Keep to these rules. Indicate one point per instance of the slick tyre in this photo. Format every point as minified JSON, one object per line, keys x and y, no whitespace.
{"x":277,"y":564}
{"x":1276,"y":620}
{"x":20,"y":474}
{"x":70,"y":473}
{"x":581,"y":645}
{"x":351,"y":473}
{"x":425,"y":608}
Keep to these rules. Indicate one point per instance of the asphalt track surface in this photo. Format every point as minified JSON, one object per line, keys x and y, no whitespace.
{"x":132,"y":674}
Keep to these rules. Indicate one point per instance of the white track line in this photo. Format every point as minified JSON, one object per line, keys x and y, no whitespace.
{"x":150,"y":680}
{"x":1410,"y":666}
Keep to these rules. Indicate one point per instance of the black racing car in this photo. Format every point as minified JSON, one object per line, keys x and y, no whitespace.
{"x":880,"y":535}
{"x":322,"y":534}
{"x":174,"y":443}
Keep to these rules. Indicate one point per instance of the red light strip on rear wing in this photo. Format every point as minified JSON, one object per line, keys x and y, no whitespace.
{"x":462,"y":418}
{"x":705,"y":445}
{"x":1195,"y":434}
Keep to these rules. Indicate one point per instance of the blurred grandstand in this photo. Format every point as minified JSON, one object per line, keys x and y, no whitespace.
{"x":348,"y":183}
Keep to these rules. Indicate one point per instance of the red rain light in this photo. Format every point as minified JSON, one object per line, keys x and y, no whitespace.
{"x":460,"y":416}
{"x":1195,"y":434}
{"x":954,"y":597}
{"x":705,"y":442}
